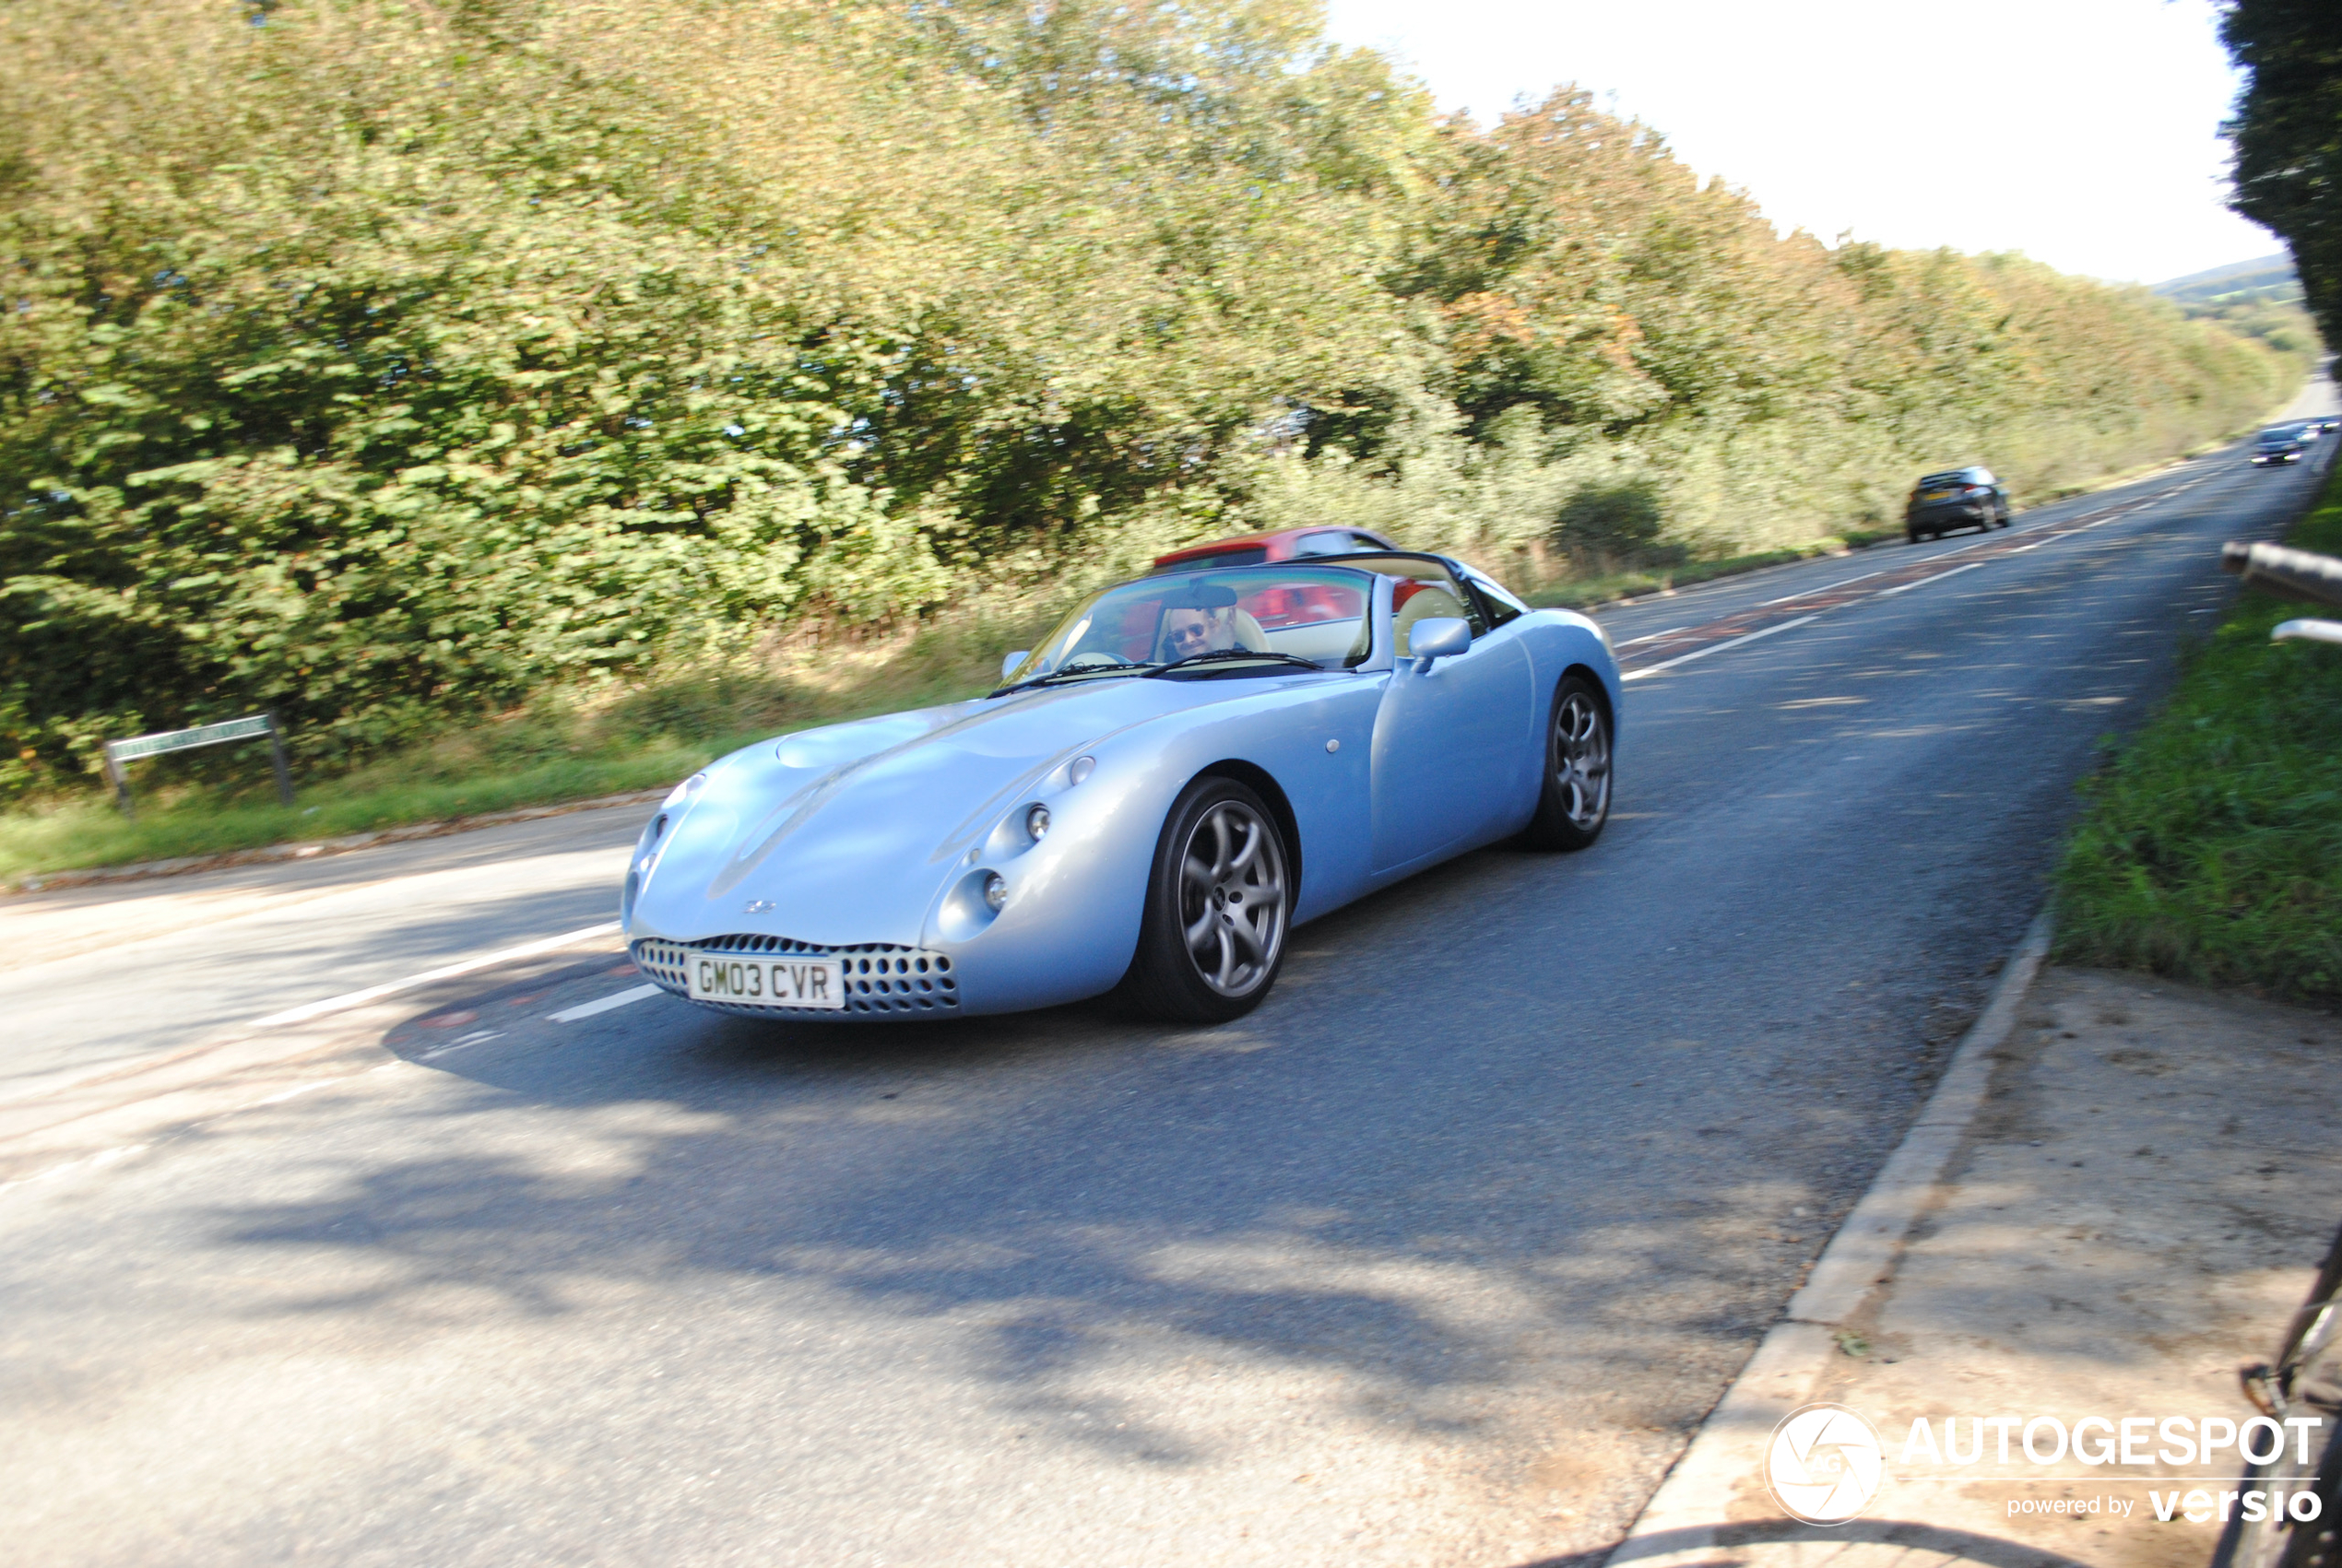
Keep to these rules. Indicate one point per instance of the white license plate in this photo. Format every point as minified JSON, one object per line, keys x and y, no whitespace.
{"x":765,"y":982}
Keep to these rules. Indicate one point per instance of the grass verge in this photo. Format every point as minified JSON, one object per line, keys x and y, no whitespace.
{"x":564,"y":747}
{"x":2211,"y":849}
{"x":1585,"y":592}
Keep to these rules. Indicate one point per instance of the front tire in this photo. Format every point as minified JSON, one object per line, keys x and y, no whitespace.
{"x":1219,"y":902}
{"x":1575,"y":800}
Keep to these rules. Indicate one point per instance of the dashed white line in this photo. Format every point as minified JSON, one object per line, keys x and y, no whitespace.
{"x":90,"y":1162}
{"x":304,"y":1013}
{"x":1703,"y":653}
{"x":587,"y":1009}
{"x":295,"y":1092}
{"x":1809,"y":593}
{"x":1907,"y":587}
{"x":478,"y":1037}
{"x":1652,"y":636}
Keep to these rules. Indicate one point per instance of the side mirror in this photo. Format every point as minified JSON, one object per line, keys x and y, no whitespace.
{"x":1007,"y":666}
{"x":1438,"y":637}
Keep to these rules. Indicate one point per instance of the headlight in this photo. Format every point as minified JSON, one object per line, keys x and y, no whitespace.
{"x":1037,"y":824}
{"x":682,"y":793}
{"x":996,"y":891}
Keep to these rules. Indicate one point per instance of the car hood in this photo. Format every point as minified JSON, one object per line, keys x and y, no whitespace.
{"x":850,"y":832}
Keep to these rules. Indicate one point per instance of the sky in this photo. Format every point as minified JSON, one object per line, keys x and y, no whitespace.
{"x":2084,"y":132}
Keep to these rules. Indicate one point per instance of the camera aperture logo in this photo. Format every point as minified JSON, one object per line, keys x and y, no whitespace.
{"x":1823,"y":1463}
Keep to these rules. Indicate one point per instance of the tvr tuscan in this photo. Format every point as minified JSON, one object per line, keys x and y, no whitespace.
{"x":1189,"y":766}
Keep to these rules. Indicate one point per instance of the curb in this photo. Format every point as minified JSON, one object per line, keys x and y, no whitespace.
{"x":1690,"y":1507}
{"x":42,"y":882}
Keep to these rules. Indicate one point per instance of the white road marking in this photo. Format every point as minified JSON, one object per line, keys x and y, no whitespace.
{"x":1703,"y":653}
{"x":1907,"y":587}
{"x":587,"y":1009}
{"x":1806,"y":592}
{"x":478,"y":1037}
{"x":304,"y":1013}
{"x":93,"y":1161}
{"x":1978,"y":543}
{"x":105,"y":1156}
{"x":293,"y":1093}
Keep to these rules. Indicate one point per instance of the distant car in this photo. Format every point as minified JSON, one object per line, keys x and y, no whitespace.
{"x":1259,"y":550}
{"x":2277,"y":446}
{"x":1958,"y":498}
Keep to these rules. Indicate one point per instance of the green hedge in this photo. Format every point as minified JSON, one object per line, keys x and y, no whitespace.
{"x":2212,"y":848}
{"x":386,"y":364}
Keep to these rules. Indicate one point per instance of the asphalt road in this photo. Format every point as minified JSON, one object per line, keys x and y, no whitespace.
{"x":1436,"y":1258}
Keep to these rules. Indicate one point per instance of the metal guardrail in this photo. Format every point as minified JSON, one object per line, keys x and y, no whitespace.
{"x":249,"y":729}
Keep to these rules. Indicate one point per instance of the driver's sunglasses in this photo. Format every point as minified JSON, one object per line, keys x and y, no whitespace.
{"x":1183,"y":635}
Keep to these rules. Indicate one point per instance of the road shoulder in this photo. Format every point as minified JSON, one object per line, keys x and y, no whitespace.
{"x":2132,"y":1205}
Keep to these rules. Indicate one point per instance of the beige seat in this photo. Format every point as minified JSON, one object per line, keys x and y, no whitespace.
{"x":1424,"y":604}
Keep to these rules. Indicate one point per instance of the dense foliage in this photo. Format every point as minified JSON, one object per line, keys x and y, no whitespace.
{"x":2212,"y":849}
{"x":382,"y":360}
{"x":2288,"y":134}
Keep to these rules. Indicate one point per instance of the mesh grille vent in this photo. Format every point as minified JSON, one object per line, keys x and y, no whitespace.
{"x":879,"y":977}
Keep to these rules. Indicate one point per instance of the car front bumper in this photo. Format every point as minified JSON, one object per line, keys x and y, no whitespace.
{"x":880,"y":980}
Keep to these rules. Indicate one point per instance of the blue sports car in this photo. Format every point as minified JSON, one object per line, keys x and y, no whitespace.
{"x":1188,"y":767}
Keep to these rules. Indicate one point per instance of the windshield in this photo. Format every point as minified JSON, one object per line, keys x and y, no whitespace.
{"x":1317,"y":613}
{"x":2277,"y":437}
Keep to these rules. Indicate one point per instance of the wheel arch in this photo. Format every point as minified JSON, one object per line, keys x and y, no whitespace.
{"x":1262,"y":783}
{"x":1602,"y":693}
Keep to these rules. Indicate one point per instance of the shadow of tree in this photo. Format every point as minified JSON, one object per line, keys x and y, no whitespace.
{"x":1058,"y":1188}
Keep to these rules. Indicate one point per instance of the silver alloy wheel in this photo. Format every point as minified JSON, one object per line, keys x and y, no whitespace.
{"x":1232,"y":898}
{"x":1582,"y":760}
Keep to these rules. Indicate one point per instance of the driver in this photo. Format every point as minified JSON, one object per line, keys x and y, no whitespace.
{"x":1187,"y":632}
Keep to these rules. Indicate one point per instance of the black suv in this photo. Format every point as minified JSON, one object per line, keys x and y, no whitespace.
{"x":1958,"y":498}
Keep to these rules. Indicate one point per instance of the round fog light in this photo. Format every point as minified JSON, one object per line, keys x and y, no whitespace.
{"x":1036,"y":822}
{"x":995,"y":891}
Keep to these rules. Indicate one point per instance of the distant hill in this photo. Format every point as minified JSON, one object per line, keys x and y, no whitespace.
{"x":2270,"y":279}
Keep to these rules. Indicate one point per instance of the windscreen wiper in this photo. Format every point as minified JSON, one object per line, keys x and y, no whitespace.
{"x":1074,"y":674}
{"x":1220,"y":655}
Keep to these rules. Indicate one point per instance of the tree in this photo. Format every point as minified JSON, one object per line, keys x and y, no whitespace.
{"x":2287,"y":136}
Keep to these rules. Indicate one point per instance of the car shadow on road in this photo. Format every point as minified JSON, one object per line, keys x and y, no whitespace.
{"x":1437,"y":1208}
{"x":1357,"y":1186}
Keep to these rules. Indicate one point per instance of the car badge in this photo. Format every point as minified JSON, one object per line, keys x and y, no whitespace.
{"x":758,"y":906}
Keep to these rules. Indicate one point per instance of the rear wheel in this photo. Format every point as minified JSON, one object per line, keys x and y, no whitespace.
{"x":1218,"y":902}
{"x":1574,"y":802}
